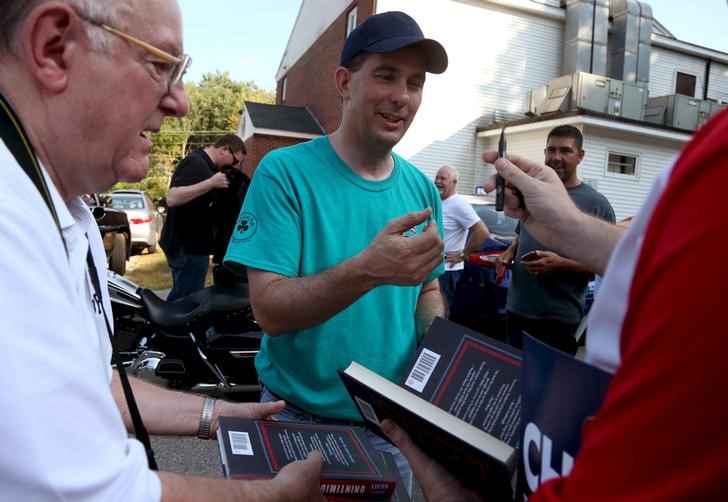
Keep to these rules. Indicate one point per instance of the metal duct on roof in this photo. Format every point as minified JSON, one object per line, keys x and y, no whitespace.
{"x":631,"y":41}
{"x":586,"y":29}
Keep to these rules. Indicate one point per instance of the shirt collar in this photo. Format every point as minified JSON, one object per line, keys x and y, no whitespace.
{"x":70,"y":213}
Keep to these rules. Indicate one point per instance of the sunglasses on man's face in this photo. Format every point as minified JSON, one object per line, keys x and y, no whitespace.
{"x":236,"y":161}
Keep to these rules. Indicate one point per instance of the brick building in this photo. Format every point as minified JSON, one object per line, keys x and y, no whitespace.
{"x":265,"y":127}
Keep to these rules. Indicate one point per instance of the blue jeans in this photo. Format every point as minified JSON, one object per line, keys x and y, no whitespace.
{"x":448,"y":284}
{"x":188,"y":273}
{"x":294,"y":414}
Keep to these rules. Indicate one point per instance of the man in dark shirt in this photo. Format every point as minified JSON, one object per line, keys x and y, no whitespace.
{"x":188,"y":237}
{"x":226,"y":209}
{"x":545,"y":297}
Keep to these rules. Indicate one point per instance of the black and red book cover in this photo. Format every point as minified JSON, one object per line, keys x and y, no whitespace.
{"x":469,"y":375}
{"x":479,"y":460}
{"x":400,"y":491}
{"x":255,"y":449}
{"x":459,"y":400}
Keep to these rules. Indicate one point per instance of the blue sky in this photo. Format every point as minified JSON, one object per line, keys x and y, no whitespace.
{"x":247,"y":37}
{"x":243,"y":37}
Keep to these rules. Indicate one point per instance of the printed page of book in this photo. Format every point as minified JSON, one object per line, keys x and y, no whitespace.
{"x":471,"y":376}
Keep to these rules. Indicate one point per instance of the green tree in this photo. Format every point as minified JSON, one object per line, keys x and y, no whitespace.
{"x":215,"y":107}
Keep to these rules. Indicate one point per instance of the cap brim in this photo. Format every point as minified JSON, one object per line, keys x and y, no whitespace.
{"x":433,"y":52}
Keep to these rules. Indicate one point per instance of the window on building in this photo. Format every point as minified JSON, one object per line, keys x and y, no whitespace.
{"x":685,"y":84}
{"x":351,"y":21}
{"x":622,"y":163}
{"x":284,"y":84}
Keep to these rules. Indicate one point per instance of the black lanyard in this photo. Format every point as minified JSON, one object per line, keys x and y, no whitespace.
{"x":14,"y":137}
{"x":140,"y":430}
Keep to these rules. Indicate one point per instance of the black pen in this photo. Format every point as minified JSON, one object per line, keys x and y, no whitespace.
{"x":500,"y":184}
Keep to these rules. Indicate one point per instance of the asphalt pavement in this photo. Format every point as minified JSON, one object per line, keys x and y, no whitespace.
{"x":187,"y":455}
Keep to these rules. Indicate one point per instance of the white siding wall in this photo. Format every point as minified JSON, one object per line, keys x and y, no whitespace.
{"x":314,"y":18}
{"x":718,"y":82}
{"x":528,"y":144}
{"x":664,"y":65}
{"x":496,"y":56}
{"x":625,"y":193}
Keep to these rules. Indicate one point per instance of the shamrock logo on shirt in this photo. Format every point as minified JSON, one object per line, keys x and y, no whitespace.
{"x":245,"y":227}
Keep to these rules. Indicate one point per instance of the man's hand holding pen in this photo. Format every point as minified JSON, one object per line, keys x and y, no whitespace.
{"x":500,"y":186}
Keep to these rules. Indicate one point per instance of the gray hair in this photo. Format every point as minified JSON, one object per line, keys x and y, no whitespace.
{"x":451,"y":171}
{"x":13,"y":14}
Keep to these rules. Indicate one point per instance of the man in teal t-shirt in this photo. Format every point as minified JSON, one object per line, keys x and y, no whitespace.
{"x":341,"y":236}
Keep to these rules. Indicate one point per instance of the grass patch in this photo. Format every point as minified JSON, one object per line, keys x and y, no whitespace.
{"x":151,"y":271}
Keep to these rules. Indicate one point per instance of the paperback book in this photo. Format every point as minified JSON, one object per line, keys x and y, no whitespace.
{"x":352,"y":468}
{"x":465,"y":399}
{"x":460,"y":401}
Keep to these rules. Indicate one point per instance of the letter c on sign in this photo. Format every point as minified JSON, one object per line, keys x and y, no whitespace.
{"x":531,"y":436}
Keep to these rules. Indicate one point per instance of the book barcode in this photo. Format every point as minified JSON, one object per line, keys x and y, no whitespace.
{"x":423,"y":368}
{"x":240,"y":443}
{"x":366,"y":410}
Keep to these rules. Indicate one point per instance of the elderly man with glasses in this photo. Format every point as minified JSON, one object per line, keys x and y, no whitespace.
{"x":81,"y":84}
{"x":188,"y":236}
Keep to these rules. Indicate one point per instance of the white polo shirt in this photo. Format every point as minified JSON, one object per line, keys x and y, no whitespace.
{"x":64,"y":438}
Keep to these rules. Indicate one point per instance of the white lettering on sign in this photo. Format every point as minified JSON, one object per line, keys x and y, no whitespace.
{"x":532,"y":436}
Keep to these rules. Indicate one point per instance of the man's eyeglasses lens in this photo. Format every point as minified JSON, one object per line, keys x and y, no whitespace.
{"x":236,"y":161}
{"x":180,"y":64}
{"x":179,"y":71}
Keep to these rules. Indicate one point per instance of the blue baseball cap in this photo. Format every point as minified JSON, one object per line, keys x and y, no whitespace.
{"x":391,"y":31}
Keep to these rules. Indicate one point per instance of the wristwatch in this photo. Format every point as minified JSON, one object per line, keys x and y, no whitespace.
{"x":463,"y":255}
{"x":206,"y":418}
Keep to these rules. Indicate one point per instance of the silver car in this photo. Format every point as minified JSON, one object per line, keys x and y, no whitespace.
{"x":145,"y":219}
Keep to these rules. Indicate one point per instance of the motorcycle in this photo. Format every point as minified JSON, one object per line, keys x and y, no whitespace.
{"x":205,"y":342}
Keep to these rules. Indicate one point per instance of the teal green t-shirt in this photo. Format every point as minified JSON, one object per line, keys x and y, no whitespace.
{"x":305,"y":212}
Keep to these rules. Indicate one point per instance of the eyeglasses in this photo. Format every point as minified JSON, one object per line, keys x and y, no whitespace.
{"x":179,"y":64}
{"x":236,"y":161}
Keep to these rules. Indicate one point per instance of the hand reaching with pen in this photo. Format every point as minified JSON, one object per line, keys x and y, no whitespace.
{"x":535,"y":195}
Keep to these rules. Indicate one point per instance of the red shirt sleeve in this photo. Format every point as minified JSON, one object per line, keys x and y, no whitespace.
{"x":661,"y":433}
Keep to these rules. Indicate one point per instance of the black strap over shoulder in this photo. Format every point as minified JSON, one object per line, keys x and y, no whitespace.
{"x":14,"y":137}
{"x":136,"y":419}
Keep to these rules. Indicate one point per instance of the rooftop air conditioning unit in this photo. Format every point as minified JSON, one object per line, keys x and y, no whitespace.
{"x":675,"y":110}
{"x":577,"y":90}
{"x":627,"y":99}
{"x":707,"y":109}
{"x":535,"y":100}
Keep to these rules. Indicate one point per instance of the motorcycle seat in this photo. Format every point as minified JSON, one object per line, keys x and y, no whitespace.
{"x":193,"y":307}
